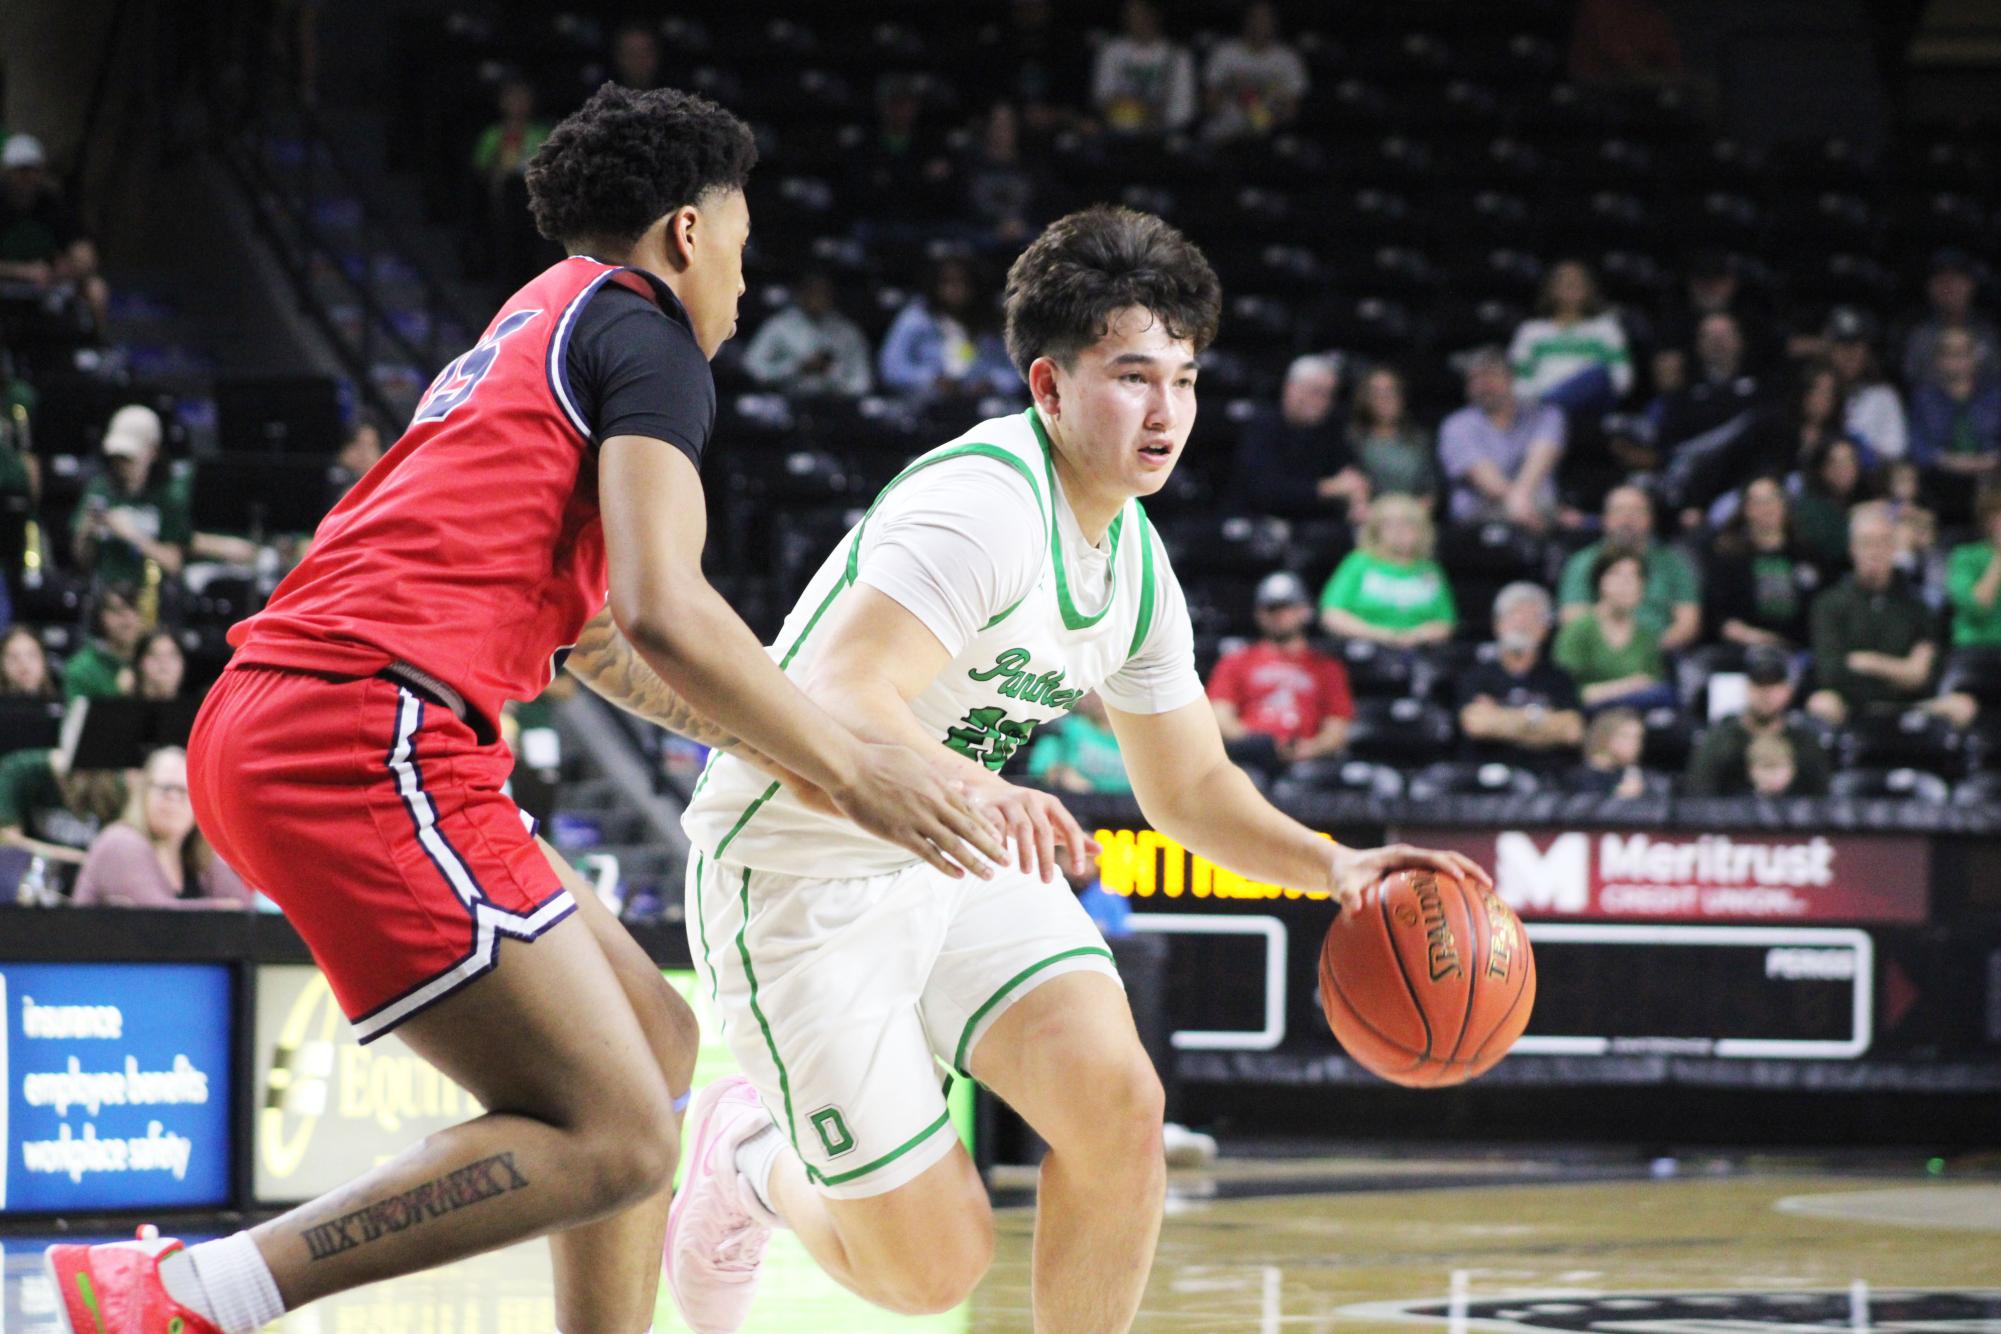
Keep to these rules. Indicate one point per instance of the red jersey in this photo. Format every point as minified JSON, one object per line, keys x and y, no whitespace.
{"x":473,"y":550}
{"x":1284,"y":694}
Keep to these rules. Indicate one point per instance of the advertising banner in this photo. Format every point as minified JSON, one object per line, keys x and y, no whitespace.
{"x":1648,"y":875}
{"x":117,"y":1080}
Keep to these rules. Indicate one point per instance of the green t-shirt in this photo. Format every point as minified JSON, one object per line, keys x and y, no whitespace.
{"x":92,"y":673}
{"x":1972,"y":625}
{"x":1849,"y":618}
{"x":1390,"y":595}
{"x":31,"y":800}
{"x":1582,"y":651}
{"x":1084,"y":746}
{"x":1399,"y":465}
{"x":487,"y":150}
{"x":162,"y":512}
{"x":1671,"y":583}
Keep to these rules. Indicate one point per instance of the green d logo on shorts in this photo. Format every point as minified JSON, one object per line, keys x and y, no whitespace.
{"x":835,"y":1137}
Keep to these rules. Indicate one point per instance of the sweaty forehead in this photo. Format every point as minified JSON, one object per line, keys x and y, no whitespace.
{"x":1135,"y":330}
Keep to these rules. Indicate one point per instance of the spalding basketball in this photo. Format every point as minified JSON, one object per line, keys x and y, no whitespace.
{"x":1431,"y":982}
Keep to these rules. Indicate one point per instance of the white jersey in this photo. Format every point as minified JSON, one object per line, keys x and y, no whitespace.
{"x":976,"y":540}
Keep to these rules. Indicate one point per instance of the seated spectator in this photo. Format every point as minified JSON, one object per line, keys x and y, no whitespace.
{"x":1000,"y":189}
{"x":1831,"y":484}
{"x":1612,"y":657}
{"x":1279,"y":448}
{"x":1613,"y":745}
{"x":1717,"y":767}
{"x":943,"y":344}
{"x":1280,"y":699}
{"x":42,"y":246}
{"x":1672,"y":607}
{"x":155,"y":857}
{"x":510,"y":247}
{"x":160,"y":668}
{"x":635,"y":58}
{"x":1713,"y":286}
{"x":1712,"y":431}
{"x":810,"y":348}
{"x":1573,"y":353}
{"x":51,"y":812}
{"x":134,"y":511}
{"x":1143,"y":84}
{"x":24,"y":666}
{"x":1956,"y":421}
{"x":1254,"y":81}
{"x":1817,"y":411}
{"x":1517,"y":707}
{"x":1500,"y":452}
{"x":1875,"y":643}
{"x":1872,"y":410}
{"x":906,"y":159}
{"x":1761,"y":578}
{"x":1773,"y":767}
{"x":1079,"y":753}
{"x":1392,"y":451}
{"x":358,"y":453}
{"x":1389,"y":590}
{"x":1973,"y":580}
{"x":102,"y":668}
{"x":1950,"y":290}
{"x":1918,"y":557}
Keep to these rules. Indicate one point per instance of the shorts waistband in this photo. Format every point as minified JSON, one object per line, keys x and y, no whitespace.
{"x":426,"y":687}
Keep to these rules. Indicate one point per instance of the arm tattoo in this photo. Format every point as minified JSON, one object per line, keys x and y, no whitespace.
{"x":455,"y":1190}
{"x":610,"y":666}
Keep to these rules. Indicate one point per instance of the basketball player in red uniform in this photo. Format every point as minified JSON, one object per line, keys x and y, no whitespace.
{"x":347,"y":763}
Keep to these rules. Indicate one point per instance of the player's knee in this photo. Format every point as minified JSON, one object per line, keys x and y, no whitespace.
{"x":1128,"y":1105}
{"x":946,"y":1273}
{"x":630,"y":1145}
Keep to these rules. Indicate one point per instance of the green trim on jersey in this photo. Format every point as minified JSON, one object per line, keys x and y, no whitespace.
{"x":1144,"y":621}
{"x":1072,"y":618}
{"x":842,"y":1178}
{"x":757,"y":1011}
{"x":966,"y":1036}
{"x":702,"y":924}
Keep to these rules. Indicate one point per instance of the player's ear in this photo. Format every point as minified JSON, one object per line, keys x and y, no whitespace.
{"x":1042,"y":386}
{"x":681,"y":232}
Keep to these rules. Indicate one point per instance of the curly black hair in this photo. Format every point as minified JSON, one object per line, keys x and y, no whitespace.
{"x":1085,"y":268}
{"x":625,"y":159}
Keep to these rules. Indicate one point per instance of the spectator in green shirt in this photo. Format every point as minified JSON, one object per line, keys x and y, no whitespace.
{"x":1389,"y":590}
{"x":50,"y":811}
{"x":1080,"y":754}
{"x":1671,"y":607}
{"x":1607,"y":651}
{"x":1973,"y":580}
{"x":24,"y":666}
{"x":1393,"y":452}
{"x":102,"y":668}
{"x":1875,"y":645}
{"x":133,"y":512}
{"x":1719,"y":767}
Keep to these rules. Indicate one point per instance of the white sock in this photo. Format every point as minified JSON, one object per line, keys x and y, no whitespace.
{"x":755,"y":1157}
{"x":225,"y":1282}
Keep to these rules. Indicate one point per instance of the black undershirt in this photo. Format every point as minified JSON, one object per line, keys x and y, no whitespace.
{"x":635,"y":369}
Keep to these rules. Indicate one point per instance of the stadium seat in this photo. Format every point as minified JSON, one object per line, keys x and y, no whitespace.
{"x":1912,"y":739}
{"x":1975,"y":672}
{"x":1403,"y":732}
{"x":1338,"y":774}
{"x":1890,"y":785}
{"x":1980,"y":790}
{"x":1669,"y":739}
{"x":1375,"y":671}
{"x":1468,"y":778}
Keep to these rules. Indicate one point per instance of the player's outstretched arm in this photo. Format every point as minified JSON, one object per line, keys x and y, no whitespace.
{"x":1189,"y":790}
{"x":874,"y":659}
{"x":655,"y":524}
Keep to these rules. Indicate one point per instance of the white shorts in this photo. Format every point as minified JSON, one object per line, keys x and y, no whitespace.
{"x":841,"y":998}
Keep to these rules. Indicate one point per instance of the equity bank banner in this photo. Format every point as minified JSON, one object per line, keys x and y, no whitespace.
{"x":1685,"y":876}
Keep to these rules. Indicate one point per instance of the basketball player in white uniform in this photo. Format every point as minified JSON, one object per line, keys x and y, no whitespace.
{"x":1000,"y":577}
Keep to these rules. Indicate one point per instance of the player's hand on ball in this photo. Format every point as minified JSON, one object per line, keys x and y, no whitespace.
{"x":899,"y":795}
{"x":1355,"y":869}
{"x":1036,"y":823}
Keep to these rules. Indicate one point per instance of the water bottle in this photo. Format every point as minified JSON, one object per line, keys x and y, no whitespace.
{"x":33,"y":891}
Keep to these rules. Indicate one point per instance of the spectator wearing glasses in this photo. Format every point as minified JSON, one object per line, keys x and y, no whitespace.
{"x":155,"y":857}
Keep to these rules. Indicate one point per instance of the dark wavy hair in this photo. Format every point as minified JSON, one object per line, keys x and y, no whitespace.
{"x":1063,"y":291}
{"x":625,"y":159}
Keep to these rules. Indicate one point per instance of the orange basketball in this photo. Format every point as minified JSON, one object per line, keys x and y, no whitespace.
{"x":1431,"y":982}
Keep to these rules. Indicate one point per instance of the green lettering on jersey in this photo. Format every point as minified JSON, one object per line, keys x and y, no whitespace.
{"x":1023,"y":683}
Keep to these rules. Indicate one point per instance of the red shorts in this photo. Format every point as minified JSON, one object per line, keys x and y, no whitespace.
{"x":376,"y":820}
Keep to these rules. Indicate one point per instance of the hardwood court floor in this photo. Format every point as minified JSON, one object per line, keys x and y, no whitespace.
{"x":1767,"y":1247}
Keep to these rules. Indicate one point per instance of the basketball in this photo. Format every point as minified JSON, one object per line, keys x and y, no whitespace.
{"x":1430,"y":983}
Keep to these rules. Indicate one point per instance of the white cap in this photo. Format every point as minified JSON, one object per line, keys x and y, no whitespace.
{"x":1281,"y":588}
{"x":23,"y":150}
{"x":134,"y":432}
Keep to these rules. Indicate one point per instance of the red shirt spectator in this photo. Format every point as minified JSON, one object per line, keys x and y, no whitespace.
{"x":1282,"y":686}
